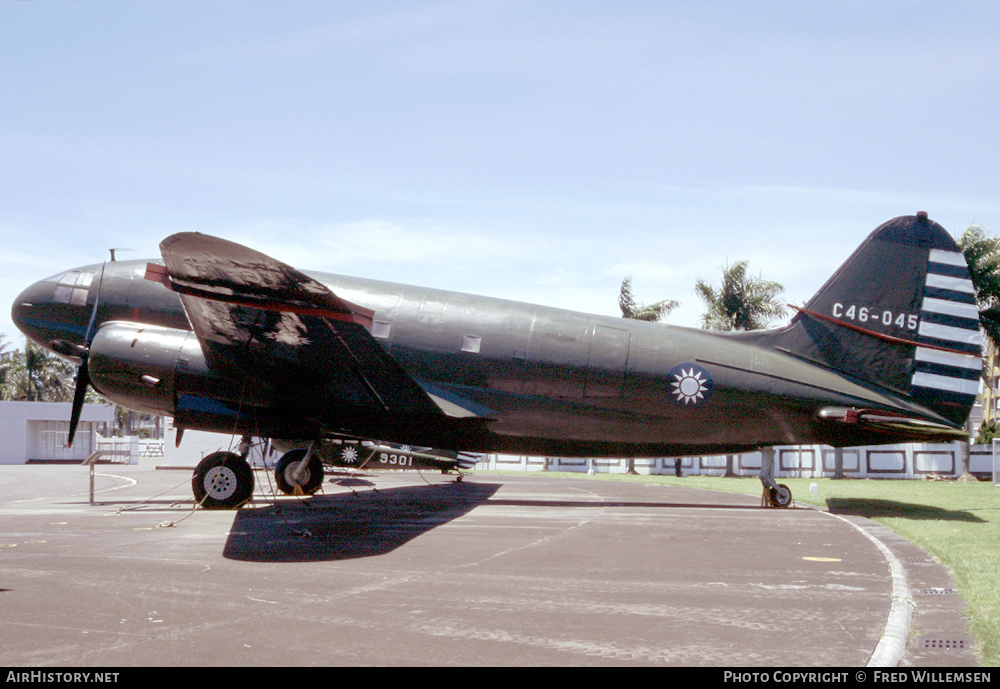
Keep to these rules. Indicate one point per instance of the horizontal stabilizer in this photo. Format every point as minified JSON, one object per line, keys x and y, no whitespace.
{"x":362,"y":454}
{"x":881,"y":419}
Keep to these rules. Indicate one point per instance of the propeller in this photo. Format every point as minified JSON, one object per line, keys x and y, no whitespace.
{"x":83,"y":372}
{"x":79,"y":394}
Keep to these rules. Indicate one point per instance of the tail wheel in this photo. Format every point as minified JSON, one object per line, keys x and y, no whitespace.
{"x":310,"y":478}
{"x":222,"y":481}
{"x":781,"y":496}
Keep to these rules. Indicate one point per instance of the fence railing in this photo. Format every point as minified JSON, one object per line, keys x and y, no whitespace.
{"x":118,"y":450}
{"x":804,"y":461}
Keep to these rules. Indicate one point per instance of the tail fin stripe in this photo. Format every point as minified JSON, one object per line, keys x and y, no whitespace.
{"x":951,"y":308}
{"x":946,"y":383}
{"x":936,"y":356}
{"x":952,"y":284}
{"x":952,"y":258}
{"x":962,"y":336}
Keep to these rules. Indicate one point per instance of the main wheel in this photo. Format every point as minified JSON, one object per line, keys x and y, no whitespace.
{"x":222,"y":481}
{"x":310,"y":479}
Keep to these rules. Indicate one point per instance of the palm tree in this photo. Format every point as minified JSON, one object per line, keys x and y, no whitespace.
{"x":11,"y":370}
{"x":47,"y":377}
{"x":35,"y":375}
{"x":640,"y":312}
{"x":982,"y":253}
{"x":743,"y":302}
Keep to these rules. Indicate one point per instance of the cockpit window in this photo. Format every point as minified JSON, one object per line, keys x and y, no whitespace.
{"x":72,"y":286}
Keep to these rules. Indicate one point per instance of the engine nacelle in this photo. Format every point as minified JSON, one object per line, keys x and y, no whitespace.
{"x":161,"y":370}
{"x":137,"y":365}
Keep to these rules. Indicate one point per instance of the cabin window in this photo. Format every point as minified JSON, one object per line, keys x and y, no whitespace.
{"x":471,"y":343}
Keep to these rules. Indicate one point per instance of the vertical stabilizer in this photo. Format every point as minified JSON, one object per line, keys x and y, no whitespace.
{"x":900,"y":314}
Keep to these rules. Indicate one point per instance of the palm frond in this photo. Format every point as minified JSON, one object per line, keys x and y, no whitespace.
{"x":637,"y":311}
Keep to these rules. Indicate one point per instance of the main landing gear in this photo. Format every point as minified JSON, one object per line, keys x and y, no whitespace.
{"x":299,"y":472}
{"x":222,"y":481}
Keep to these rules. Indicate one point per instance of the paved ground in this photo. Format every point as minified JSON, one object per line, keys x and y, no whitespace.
{"x":411,"y":569}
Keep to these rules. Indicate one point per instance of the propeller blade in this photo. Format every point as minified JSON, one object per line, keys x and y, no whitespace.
{"x":82,"y":381}
{"x":83,"y":373}
{"x":93,"y":313}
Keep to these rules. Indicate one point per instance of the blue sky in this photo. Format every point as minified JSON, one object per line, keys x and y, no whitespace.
{"x":535,"y":150}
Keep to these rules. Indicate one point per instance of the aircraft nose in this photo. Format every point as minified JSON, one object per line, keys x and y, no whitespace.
{"x":28,"y":308}
{"x":54,"y":308}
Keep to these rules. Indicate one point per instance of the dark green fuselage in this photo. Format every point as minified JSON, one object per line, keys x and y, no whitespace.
{"x":511,"y":377}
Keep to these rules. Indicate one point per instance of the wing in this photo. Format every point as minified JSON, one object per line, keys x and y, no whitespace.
{"x":291,"y":341}
{"x":215,"y":269}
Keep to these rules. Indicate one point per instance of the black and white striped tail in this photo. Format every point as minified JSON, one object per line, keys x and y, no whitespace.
{"x":947,"y":367}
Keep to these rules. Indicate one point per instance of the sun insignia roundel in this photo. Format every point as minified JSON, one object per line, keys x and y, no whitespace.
{"x":690,"y":384}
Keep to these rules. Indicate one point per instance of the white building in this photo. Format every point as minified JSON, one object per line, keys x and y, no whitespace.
{"x":37,"y":431}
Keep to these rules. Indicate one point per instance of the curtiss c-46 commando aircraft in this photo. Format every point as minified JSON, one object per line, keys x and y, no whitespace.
{"x":223,"y":338}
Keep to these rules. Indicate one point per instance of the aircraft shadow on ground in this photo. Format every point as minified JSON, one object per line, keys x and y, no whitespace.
{"x":874,"y":507}
{"x":349,"y":525}
{"x":368,"y":523}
